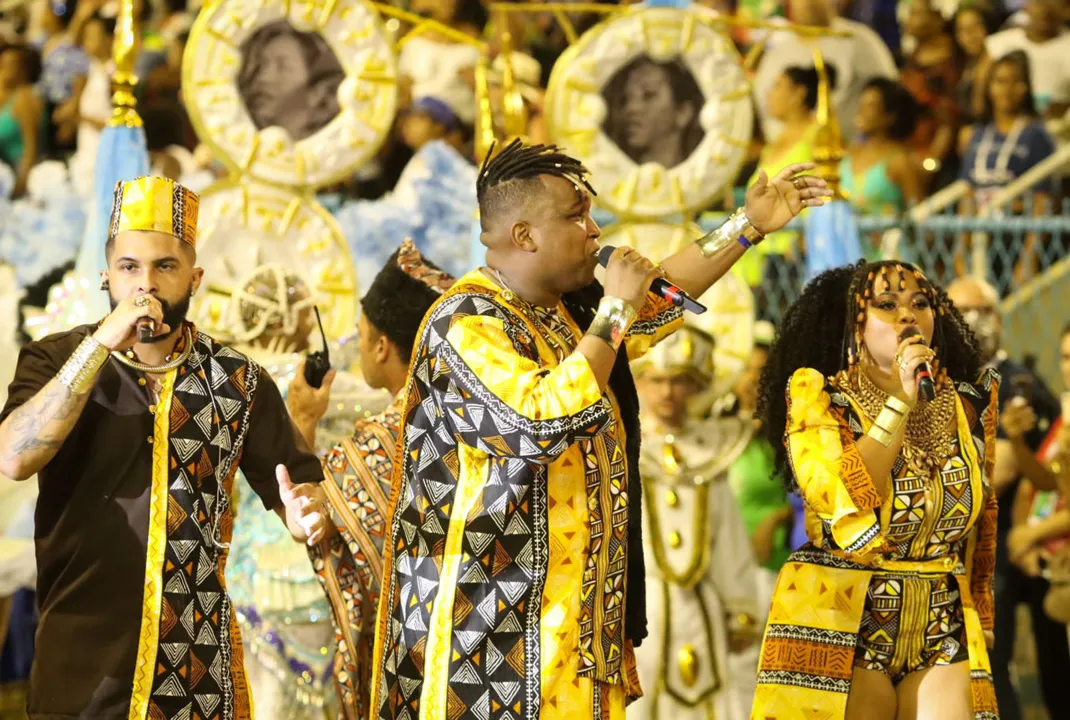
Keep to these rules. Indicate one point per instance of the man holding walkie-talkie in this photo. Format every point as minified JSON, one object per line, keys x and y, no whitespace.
{"x":358,"y":470}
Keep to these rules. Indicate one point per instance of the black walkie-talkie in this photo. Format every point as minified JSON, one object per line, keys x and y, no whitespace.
{"x":318,"y":363}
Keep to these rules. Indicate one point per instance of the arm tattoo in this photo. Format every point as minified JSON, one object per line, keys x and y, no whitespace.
{"x":33,"y":434}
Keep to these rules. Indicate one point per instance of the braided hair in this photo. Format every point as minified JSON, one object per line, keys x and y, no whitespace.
{"x":511,"y":177}
{"x":823,"y":330}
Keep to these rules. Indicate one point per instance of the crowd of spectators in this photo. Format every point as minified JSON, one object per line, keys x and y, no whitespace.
{"x":927,"y":92}
{"x":940,"y":116}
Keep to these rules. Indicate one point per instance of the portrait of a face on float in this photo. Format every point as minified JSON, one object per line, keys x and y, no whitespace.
{"x":652,"y":111}
{"x":289,"y":79}
{"x":656,"y":104}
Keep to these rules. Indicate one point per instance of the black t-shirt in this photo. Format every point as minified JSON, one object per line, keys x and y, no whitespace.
{"x":91,"y":526}
{"x":1047,"y":408}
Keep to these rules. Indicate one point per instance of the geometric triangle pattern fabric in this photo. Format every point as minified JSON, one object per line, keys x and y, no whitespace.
{"x":357,"y":478}
{"x":205,"y":635}
{"x":919,"y":595}
{"x":499,"y":409}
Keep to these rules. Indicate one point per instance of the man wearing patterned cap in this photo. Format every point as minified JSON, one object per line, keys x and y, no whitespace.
{"x":701,"y":573}
{"x":135,"y":443}
{"x":358,"y":470}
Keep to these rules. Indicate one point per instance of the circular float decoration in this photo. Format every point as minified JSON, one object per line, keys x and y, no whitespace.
{"x":730,"y":318}
{"x":245,"y":227}
{"x":290,"y":92}
{"x":656,"y":104}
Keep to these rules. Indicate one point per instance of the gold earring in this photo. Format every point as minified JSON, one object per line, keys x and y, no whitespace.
{"x":104,"y":284}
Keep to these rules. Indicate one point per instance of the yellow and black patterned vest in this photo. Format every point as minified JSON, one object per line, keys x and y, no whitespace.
{"x":190,"y":661}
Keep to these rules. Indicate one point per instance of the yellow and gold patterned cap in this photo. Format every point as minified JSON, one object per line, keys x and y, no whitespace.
{"x":155,"y":204}
{"x":687,"y":351}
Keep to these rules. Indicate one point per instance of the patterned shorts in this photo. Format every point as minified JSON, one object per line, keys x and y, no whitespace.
{"x":910,"y":623}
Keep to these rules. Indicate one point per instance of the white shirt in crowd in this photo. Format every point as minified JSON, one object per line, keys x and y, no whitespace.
{"x":95,"y":103}
{"x":857,"y":60}
{"x":435,"y":68}
{"x":1049,"y":63}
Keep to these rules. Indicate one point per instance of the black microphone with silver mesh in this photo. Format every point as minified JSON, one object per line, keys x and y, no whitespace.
{"x":660,"y":286}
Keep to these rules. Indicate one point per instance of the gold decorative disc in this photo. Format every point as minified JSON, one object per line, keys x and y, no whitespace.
{"x":731,"y":313}
{"x":656,"y":104}
{"x":290,"y":92}
{"x":245,"y":226}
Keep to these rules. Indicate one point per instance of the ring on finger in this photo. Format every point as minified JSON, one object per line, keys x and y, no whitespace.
{"x":141,"y":300}
{"x":799,"y":183}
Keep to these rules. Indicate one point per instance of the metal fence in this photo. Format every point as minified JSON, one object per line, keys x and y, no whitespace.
{"x":1035,"y":285}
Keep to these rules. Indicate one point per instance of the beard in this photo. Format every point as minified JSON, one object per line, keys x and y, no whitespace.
{"x":174,"y":313}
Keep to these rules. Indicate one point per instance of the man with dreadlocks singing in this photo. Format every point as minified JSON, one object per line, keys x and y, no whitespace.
{"x":886,"y":613}
{"x":513,"y":576}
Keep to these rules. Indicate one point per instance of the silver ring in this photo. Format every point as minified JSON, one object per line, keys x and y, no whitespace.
{"x":141,"y":301}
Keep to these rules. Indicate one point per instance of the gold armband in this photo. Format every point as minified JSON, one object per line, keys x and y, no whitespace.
{"x":737,"y":228}
{"x":889,"y":421}
{"x":611,"y":323}
{"x":80,"y":371}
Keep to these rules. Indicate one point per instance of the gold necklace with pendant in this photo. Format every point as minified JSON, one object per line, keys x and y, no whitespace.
{"x":930,"y":428}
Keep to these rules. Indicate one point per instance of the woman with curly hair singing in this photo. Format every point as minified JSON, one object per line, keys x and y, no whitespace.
{"x":887,"y":611}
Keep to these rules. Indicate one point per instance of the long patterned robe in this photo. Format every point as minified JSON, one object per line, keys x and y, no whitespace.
{"x":507,"y":553}
{"x":701,"y":573}
{"x":349,"y":565}
{"x":942,"y":525}
{"x":190,"y":657}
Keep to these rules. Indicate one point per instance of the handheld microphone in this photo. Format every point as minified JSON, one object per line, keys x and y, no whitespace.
{"x":923,"y":374}
{"x":146,"y":328}
{"x":660,"y":286}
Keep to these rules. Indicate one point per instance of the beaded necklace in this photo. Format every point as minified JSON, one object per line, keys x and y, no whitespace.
{"x":930,"y":428}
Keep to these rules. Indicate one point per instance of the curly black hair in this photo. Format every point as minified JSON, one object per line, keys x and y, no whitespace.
{"x":898,"y":103}
{"x":818,"y":332}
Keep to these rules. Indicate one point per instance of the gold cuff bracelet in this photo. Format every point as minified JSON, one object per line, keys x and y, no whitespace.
{"x":80,"y":371}
{"x":611,"y":323}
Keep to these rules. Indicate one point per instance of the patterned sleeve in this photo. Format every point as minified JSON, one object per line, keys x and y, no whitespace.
{"x":658,"y":319}
{"x":827,"y":466}
{"x":348,"y":565}
{"x":504,"y":403}
{"x":355,"y":474}
{"x":983,"y":398}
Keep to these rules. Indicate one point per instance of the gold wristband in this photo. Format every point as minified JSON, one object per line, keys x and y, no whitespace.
{"x":889,"y":421}
{"x":880,"y":435}
{"x":611,"y":323}
{"x":896,"y":404}
{"x":737,"y":225}
{"x":80,"y":371}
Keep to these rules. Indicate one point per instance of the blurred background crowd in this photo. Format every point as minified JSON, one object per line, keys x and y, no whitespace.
{"x":955,"y":134}
{"x":931,"y":95}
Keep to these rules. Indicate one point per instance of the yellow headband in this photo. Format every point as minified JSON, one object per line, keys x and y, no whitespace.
{"x":155,"y":204}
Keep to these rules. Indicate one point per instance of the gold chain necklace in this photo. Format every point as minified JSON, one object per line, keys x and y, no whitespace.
{"x":167,"y":366}
{"x":930,"y":430}
{"x":531,"y":312}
